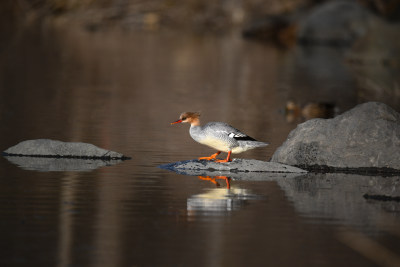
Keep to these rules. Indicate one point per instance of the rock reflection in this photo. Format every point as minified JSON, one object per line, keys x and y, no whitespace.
{"x":339,"y":197}
{"x":59,"y":164}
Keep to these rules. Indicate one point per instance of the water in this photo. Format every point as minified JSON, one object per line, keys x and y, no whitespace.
{"x":120,"y":90}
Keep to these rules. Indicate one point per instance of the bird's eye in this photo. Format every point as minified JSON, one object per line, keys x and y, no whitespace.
{"x":184,"y":118}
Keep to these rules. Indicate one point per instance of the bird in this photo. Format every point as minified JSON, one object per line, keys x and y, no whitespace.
{"x":312,"y":110}
{"x":218,"y":135}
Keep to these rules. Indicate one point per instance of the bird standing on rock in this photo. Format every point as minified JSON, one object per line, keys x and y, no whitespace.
{"x":218,"y":135}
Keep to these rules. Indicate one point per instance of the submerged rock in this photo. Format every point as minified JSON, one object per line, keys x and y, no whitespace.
{"x":58,"y":149}
{"x":367,"y":136}
{"x":238,"y":169}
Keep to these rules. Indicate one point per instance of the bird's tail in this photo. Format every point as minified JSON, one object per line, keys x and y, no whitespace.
{"x":257,"y":144}
{"x":260,"y":144}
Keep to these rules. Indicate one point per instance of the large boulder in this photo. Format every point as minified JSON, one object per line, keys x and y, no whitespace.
{"x":58,"y":149}
{"x":367,"y":136}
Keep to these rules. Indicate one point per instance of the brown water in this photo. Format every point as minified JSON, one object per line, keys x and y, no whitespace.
{"x":120,"y":90}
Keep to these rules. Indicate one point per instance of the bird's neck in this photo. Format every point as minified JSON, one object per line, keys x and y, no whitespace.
{"x":195,"y":122}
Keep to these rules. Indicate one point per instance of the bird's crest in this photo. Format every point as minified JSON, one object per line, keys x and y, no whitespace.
{"x":188,"y":114}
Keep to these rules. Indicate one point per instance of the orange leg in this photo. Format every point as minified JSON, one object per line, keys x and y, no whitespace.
{"x":228,"y":158}
{"x":212,"y":157}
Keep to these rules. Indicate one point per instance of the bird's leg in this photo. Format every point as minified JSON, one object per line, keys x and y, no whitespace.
{"x":228,"y":158}
{"x":212,"y":157}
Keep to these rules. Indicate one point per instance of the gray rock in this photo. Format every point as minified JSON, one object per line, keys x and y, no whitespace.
{"x":334,"y":23}
{"x":367,"y":136}
{"x":60,"y":164}
{"x":238,"y":169}
{"x":58,"y":149}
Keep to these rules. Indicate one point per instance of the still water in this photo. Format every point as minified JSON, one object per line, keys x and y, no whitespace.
{"x":120,"y":90}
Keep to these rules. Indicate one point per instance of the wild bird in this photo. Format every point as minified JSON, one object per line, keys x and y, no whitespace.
{"x":294,"y":111}
{"x":218,"y":135}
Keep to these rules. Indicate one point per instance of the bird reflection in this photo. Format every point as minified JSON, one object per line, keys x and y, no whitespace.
{"x":218,"y":201}
{"x":213,"y":179}
{"x":294,"y":112}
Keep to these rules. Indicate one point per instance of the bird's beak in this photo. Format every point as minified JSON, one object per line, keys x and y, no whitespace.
{"x":178,"y":121}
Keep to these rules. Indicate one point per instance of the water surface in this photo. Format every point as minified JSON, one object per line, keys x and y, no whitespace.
{"x":120,"y":90}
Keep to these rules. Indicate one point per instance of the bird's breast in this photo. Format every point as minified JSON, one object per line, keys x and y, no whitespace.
{"x":215,"y":143}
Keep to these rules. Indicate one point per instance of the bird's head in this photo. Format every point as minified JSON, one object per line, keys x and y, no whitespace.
{"x":188,"y":117}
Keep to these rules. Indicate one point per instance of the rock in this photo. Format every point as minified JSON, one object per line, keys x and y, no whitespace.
{"x":367,"y":136}
{"x":238,"y":169}
{"x":334,"y":23}
{"x":57,"y":149}
{"x":60,"y":164}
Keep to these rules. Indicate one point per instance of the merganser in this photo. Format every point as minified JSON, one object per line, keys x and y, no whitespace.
{"x":312,"y":110}
{"x":218,"y":135}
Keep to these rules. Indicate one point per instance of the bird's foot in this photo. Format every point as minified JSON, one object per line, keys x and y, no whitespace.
{"x":212,"y":157}
{"x":223,"y":160}
{"x":228,"y":158}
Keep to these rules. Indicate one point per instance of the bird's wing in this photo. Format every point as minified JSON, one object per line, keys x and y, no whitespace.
{"x":220,"y":128}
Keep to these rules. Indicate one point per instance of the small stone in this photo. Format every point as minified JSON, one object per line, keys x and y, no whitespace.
{"x":238,"y":169}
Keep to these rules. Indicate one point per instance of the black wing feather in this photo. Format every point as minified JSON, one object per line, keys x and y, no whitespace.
{"x":244,"y":138}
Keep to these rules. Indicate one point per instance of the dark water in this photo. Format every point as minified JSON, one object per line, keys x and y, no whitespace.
{"x":120,"y":91}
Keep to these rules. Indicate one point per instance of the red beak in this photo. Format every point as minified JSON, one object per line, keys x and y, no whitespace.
{"x":178,"y":121}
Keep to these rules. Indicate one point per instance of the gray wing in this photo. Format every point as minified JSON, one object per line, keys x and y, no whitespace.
{"x":224,"y":129}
